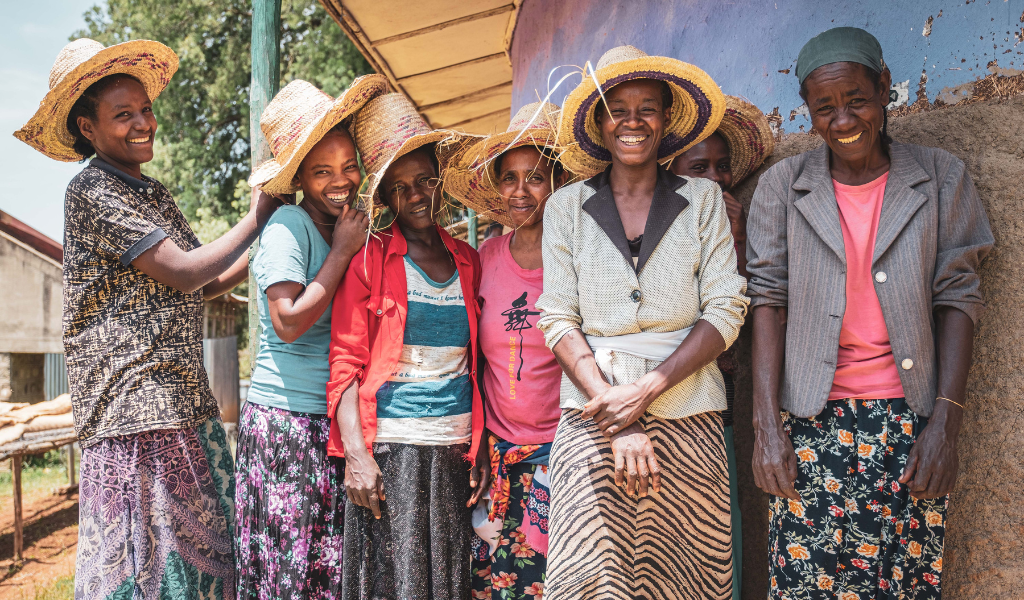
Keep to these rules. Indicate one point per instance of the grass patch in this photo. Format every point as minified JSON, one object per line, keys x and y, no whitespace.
{"x":61,"y":589}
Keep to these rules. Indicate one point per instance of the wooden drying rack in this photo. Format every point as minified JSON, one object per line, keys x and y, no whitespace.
{"x":38,"y":442}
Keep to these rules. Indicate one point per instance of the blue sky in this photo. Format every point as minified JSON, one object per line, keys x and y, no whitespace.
{"x":32,"y":185}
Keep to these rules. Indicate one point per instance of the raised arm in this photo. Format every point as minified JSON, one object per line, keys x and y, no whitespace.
{"x":191,"y":270}
{"x":295,"y":307}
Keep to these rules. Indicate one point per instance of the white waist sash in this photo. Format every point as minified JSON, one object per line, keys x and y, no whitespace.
{"x":648,"y":345}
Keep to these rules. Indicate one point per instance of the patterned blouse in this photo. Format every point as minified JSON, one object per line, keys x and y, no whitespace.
{"x":133,"y":346}
{"x":685,"y":272}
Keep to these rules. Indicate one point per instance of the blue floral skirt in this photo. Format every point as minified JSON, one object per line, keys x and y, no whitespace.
{"x":856,"y":533}
{"x":291,"y":506}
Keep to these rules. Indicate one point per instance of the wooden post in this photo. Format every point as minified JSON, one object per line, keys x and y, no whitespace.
{"x":471,"y":232}
{"x":19,"y":533}
{"x":266,"y":78}
{"x":72,"y":474}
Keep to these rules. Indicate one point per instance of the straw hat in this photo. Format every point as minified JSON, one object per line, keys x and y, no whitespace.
{"x":697,"y":107}
{"x":474,"y":181}
{"x":748,"y":134}
{"x":298,"y":117}
{"x":80,"y":64}
{"x":389,"y":127}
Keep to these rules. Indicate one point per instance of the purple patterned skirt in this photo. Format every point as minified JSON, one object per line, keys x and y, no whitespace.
{"x":291,"y":506}
{"x":155,"y":516}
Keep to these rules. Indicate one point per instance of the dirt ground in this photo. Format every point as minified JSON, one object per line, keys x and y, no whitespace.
{"x":51,"y":537}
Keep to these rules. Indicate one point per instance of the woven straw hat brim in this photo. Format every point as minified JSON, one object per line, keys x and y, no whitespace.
{"x":474,"y":183}
{"x":697,"y":109}
{"x":150,"y":62}
{"x":749,"y":136}
{"x":279,"y":179}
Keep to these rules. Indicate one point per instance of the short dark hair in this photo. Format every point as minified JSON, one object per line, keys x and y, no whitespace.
{"x":85,"y":106}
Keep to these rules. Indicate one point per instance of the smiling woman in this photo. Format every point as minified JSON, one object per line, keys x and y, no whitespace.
{"x":303,"y":253}
{"x":142,"y":401}
{"x":641,"y":392}
{"x":865,"y":308}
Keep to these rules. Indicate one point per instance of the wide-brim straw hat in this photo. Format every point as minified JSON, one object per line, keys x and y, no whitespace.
{"x":389,"y":127}
{"x":80,"y":64}
{"x":749,"y":136}
{"x":298,"y":117}
{"x":697,"y":107}
{"x":474,"y":180}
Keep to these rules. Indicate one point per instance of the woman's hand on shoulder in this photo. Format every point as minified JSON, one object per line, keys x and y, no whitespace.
{"x":617,"y":407}
{"x":350,"y":231}
{"x":263,"y":205}
{"x":363,"y":482}
{"x":636,"y":466}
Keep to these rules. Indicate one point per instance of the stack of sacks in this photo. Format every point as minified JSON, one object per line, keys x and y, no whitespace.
{"x":19,"y":419}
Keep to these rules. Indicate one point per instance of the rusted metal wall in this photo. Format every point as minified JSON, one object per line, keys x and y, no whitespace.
{"x":933,"y":47}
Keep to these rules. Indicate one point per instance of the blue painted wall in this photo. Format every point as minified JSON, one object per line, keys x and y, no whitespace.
{"x":744,"y":45}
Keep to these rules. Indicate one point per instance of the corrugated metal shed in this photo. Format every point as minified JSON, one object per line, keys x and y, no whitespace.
{"x":450,"y":57}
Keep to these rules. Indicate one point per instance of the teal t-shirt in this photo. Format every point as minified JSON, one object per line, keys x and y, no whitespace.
{"x":290,"y":376}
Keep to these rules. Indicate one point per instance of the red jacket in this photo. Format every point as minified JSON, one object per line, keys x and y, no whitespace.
{"x":368,"y":325}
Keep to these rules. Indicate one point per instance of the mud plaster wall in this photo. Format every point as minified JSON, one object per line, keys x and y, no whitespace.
{"x":985,"y":536}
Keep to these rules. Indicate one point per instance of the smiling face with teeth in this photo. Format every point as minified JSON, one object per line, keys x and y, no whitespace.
{"x":122,"y":127}
{"x":634,"y":124}
{"x":412,"y":190}
{"x":847,"y":105}
{"x":329,"y":176}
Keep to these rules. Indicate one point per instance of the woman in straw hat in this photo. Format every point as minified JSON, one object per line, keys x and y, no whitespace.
{"x":737,"y":148}
{"x":290,"y":531}
{"x":402,"y":392}
{"x":863,"y":258}
{"x":156,"y":508}
{"x":509,"y":177}
{"x":640,"y":295}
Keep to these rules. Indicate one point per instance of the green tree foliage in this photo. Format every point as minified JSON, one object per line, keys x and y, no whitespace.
{"x":202,"y":147}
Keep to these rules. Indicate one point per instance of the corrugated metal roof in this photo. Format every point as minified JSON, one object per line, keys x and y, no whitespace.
{"x":450,"y":57}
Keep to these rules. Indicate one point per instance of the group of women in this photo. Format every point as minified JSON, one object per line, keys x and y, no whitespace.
{"x":549,"y":416}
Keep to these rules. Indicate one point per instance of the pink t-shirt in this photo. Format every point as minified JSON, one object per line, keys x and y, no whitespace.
{"x":865,"y":367}
{"x":522,"y":378}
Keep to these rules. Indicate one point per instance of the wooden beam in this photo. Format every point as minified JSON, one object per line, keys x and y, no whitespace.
{"x":438,"y":27}
{"x":504,"y":111}
{"x":354,"y":31}
{"x":19,"y":526}
{"x":466,"y":97}
{"x":444,"y":70}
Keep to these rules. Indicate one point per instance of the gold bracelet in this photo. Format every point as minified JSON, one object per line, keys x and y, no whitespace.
{"x":948,"y":400}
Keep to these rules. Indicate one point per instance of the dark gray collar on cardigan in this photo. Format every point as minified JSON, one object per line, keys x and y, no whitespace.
{"x":899,"y":204}
{"x":665,"y":207}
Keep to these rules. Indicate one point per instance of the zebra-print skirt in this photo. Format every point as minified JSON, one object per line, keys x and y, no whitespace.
{"x":605,"y":544}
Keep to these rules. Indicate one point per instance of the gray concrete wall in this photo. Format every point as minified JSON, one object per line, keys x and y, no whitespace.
{"x":984,"y":557}
{"x":31,"y":291}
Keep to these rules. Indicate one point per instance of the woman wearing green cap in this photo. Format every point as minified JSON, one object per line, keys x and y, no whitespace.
{"x":863,"y":257}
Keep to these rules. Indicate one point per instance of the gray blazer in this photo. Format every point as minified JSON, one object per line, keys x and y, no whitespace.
{"x":932,"y":234}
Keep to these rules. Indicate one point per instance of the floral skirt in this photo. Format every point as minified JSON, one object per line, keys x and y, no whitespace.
{"x":515,"y":570}
{"x":419,"y":548}
{"x":155,"y":516}
{"x":291,"y":506}
{"x":856,"y":533}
